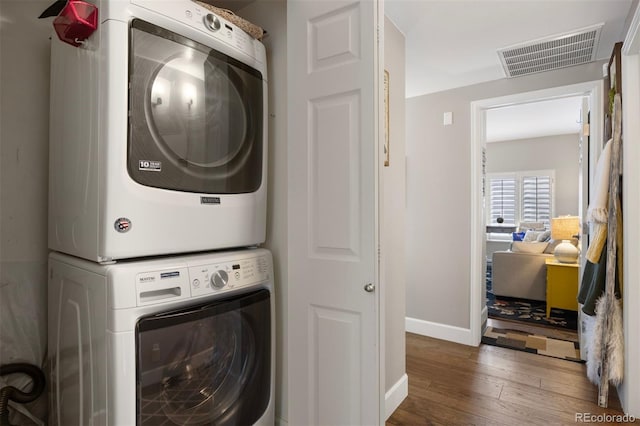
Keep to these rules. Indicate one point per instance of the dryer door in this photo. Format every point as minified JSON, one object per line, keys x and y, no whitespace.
{"x":205,"y":365}
{"x":196,"y":115}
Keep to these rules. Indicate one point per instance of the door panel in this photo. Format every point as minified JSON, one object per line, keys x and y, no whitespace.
{"x":334,"y":375}
{"x":335,"y":350}
{"x":334,"y":176}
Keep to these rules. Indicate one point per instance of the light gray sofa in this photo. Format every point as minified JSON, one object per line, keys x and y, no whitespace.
{"x":519,"y":274}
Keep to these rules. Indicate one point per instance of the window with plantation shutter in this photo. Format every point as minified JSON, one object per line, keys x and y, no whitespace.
{"x":536,"y":199}
{"x":502,"y":204}
{"x":520,"y":197}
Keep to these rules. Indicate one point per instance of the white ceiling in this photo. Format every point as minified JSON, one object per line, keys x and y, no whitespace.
{"x":533,"y":120}
{"x":454,"y":43}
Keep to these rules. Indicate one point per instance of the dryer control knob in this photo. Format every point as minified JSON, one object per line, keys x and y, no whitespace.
{"x":212,"y":22}
{"x":219,"y":279}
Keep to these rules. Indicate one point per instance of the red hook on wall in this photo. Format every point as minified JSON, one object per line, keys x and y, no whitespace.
{"x":75,"y":21}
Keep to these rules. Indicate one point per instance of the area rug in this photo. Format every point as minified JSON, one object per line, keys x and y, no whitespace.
{"x":532,"y":343}
{"x":529,"y":311}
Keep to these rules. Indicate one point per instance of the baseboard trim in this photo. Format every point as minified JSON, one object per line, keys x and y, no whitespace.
{"x":394,"y":396}
{"x":439,"y":331}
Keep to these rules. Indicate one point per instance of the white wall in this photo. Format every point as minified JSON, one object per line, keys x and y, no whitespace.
{"x":24,"y":156}
{"x":272,"y":16}
{"x":439,"y":198}
{"x":559,"y":153}
{"x":393,"y":200}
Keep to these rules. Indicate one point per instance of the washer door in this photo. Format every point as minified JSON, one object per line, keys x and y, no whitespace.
{"x":196,"y":116}
{"x":205,"y":365}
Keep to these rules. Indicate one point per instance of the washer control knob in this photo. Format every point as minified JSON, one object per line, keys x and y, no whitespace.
{"x":212,"y":22}
{"x":219,"y":279}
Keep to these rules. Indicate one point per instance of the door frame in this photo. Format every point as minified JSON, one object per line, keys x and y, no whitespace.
{"x":593,"y":89}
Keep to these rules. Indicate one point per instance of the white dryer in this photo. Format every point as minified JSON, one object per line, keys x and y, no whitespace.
{"x":158,"y":134}
{"x":185,"y":340}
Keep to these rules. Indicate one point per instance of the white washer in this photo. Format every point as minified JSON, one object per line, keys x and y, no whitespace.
{"x":186,"y":340}
{"x":158,"y":134}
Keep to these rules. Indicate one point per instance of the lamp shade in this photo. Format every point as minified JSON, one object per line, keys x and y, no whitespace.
{"x":565,"y":227}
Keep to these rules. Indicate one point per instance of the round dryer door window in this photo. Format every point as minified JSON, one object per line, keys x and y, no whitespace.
{"x":196,"y":111}
{"x":196,"y":115}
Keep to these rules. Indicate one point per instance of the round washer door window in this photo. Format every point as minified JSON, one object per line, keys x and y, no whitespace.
{"x":206,"y":364}
{"x":203,"y":380}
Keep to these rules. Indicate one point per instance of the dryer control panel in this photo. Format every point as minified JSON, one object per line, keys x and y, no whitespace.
{"x":217,"y":277}
{"x":202,"y":19}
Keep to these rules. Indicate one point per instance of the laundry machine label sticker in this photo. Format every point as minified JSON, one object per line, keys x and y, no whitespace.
{"x":149,"y":166}
{"x":209,"y":200}
{"x":170,"y":274}
{"x":122,"y":224}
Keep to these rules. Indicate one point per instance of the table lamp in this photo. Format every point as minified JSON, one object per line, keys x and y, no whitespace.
{"x":565,"y":228}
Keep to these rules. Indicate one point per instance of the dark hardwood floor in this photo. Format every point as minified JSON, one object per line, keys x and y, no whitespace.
{"x":453,"y":384}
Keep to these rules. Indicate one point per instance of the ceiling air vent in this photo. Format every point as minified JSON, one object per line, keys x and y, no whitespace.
{"x":551,"y":53}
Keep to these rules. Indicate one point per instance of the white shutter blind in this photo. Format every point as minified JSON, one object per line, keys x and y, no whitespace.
{"x":536,"y":199}
{"x":502,"y":200}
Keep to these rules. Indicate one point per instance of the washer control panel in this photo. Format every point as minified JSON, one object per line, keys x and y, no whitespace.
{"x":212,"y":278}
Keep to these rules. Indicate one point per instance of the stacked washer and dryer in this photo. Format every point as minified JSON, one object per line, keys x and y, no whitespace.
{"x":160,"y":301}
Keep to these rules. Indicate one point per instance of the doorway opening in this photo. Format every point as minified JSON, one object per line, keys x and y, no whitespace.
{"x":479,"y":109}
{"x":532,"y":175}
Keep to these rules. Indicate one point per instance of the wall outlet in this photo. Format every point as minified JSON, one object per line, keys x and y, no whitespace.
{"x":447,"y":119}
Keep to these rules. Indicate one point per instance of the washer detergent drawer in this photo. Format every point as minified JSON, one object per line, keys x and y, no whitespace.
{"x":206,"y":364}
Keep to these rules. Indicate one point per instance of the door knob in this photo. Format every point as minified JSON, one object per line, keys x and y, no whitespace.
{"x":369,"y":288}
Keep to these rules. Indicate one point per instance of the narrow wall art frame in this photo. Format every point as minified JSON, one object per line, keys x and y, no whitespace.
{"x":386,"y":118}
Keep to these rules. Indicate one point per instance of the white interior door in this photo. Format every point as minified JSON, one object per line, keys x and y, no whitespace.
{"x":333,"y":94}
